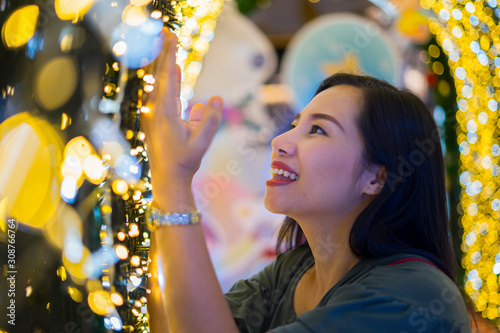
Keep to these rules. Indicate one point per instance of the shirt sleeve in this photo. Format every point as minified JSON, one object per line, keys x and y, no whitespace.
{"x":247,"y":300}
{"x":360,"y":309}
{"x":254,"y":302}
{"x":251,"y":301}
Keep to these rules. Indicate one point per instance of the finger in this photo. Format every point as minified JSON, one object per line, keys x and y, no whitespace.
{"x":178,"y":78}
{"x":168,"y":85}
{"x":156,"y":68}
{"x":210,"y":120}
{"x":169,"y":43}
{"x":147,"y":125}
{"x":196,"y":115}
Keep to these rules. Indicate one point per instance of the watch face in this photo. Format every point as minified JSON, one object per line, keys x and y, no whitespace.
{"x":335,"y":43}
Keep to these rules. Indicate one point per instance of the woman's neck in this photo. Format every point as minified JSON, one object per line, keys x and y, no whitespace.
{"x":332,"y":255}
{"x":328,"y":238}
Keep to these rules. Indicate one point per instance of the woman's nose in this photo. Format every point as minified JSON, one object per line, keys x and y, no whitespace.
{"x":283,"y":145}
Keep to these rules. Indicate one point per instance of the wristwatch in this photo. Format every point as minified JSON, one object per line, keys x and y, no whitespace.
{"x":156,"y":217}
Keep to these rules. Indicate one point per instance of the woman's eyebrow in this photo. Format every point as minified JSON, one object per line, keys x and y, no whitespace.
{"x":322,"y":116}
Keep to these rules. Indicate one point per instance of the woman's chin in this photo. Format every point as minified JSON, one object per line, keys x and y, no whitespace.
{"x":273,"y":206}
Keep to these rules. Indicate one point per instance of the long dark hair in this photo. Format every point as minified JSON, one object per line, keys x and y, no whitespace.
{"x":410,"y":213}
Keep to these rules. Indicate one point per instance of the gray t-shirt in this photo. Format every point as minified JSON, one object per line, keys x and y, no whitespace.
{"x":377,"y":296}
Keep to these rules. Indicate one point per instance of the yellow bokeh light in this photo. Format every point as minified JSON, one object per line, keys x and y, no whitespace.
{"x":156,"y":14}
{"x":72,"y":39}
{"x":75,"y":294}
{"x":137,"y":195}
{"x":100,"y":302}
{"x":65,"y":222}
{"x":78,"y":147}
{"x":3,"y":215}
{"x":120,"y":187}
{"x":133,"y":232}
{"x":434,"y":51}
{"x":72,"y":10}
{"x":121,"y":236}
{"x":117,"y":299}
{"x":94,"y":169}
{"x":65,"y":121}
{"x":129,"y":135}
{"x":140,"y":73}
{"x":438,"y":68}
{"x":30,"y":154}
{"x":120,"y":48}
{"x":56,"y":82}
{"x":61,"y":272}
{"x":20,"y":26}
{"x":77,"y":270}
{"x":121,"y":252}
{"x":135,"y":261}
{"x":134,"y":15}
{"x":72,"y":167}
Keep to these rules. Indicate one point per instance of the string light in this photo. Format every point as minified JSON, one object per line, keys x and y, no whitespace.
{"x":108,"y":167}
{"x":135,"y":261}
{"x":198,"y":19}
{"x":469,"y":35}
{"x":121,"y":236}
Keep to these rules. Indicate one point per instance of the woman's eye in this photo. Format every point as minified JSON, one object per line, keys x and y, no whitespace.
{"x":317,"y":129}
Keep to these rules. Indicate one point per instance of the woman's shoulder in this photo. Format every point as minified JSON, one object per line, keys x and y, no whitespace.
{"x":410,"y":277}
{"x":412,"y":280}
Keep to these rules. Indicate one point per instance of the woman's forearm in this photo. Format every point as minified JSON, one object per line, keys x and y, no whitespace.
{"x":192,"y":297}
{"x":156,"y":306}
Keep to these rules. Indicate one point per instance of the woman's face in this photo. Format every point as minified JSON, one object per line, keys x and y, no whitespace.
{"x":323,"y":150}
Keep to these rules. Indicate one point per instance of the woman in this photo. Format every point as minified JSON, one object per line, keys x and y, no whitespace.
{"x":360,"y":178}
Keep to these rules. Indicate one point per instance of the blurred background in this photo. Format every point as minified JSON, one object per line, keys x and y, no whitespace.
{"x":74,"y":177}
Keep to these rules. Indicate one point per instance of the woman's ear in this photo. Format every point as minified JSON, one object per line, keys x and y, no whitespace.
{"x":377,"y":176}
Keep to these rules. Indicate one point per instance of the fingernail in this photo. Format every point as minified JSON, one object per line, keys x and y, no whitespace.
{"x":217,"y":103}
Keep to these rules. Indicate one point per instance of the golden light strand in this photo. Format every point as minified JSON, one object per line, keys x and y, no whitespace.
{"x":468,"y":34}
{"x":198,"y":19}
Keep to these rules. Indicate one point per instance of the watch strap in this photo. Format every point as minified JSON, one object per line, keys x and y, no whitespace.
{"x":156,"y":217}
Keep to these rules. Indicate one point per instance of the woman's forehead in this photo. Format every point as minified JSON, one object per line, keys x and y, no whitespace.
{"x":342,"y":101}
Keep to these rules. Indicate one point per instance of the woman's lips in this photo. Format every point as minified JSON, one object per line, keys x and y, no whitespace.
{"x":282,"y":166}
{"x":281,"y":174}
{"x":279,"y":182}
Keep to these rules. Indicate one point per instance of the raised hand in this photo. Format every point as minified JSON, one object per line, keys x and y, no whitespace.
{"x":179,"y":254}
{"x":175,"y":147}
